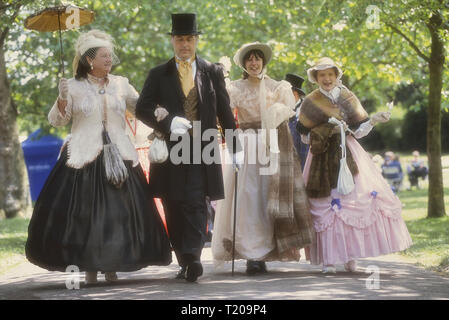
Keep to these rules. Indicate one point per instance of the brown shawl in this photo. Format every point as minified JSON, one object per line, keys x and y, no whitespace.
{"x":287,"y":201}
{"x":316,"y":110}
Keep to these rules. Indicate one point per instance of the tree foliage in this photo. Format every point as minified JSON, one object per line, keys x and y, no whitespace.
{"x":375,"y":60}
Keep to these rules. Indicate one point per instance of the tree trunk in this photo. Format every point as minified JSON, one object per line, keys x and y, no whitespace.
{"x":13,"y":176}
{"x":435,"y":206}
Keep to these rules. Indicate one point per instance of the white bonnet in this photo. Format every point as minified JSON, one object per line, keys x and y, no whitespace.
{"x":92,"y":39}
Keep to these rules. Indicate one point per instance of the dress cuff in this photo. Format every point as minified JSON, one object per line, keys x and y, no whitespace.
{"x":363,"y":130}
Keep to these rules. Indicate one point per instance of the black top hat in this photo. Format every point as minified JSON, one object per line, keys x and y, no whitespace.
{"x":184,"y":24}
{"x":296,"y":82}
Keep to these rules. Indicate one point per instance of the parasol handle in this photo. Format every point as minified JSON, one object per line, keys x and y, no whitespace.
{"x":235,"y":220}
{"x":60,"y":44}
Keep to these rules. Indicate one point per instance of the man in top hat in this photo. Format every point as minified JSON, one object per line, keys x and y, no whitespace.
{"x":301,"y":148}
{"x":190,"y":89}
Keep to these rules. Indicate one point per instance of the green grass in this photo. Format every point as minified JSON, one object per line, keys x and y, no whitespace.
{"x":13,"y":235}
{"x":430,"y":235}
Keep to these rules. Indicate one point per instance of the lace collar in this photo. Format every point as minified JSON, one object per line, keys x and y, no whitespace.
{"x":96,"y":80}
{"x":333,"y":95}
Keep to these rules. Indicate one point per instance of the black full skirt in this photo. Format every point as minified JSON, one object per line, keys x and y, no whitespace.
{"x":81,"y":219}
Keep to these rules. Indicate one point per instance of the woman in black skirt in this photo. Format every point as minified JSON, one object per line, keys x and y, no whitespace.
{"x":95,"y":212}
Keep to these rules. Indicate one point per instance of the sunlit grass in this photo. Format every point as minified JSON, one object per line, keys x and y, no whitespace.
{"x":430,"y":235}
{"x":13,"y":235}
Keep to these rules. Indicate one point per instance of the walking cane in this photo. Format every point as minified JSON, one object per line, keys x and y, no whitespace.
{"x":235,"y":218}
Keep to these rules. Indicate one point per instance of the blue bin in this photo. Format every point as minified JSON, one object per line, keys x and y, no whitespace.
{"x":41,"y":153}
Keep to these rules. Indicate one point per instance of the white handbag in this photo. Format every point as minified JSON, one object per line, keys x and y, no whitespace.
{"x":345,"y":183}
{"x":158,"y":151}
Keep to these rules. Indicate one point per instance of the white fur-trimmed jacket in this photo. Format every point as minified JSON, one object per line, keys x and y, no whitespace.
{"x":85,"y":109}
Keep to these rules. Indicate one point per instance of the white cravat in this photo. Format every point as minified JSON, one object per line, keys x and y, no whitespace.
{"x":298,"y":108}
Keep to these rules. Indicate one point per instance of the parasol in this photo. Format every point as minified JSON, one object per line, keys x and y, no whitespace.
{"x":63,"y":17}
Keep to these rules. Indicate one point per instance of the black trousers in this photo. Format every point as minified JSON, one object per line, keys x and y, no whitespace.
{"x":187,"y":219}
{"x":415,"y":174}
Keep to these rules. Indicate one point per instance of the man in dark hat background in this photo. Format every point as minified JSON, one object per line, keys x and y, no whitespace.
{"x":301,"y":148}
{"x":190,"y":89}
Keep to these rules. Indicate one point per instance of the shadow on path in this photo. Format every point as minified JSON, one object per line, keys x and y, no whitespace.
{"x":288,"y":280}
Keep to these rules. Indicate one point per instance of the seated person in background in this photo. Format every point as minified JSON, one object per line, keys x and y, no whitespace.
{"x":416,"y":169}
{"x":392,"y":171}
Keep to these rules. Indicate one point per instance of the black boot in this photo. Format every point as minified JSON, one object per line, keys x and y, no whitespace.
{"x":193,"y":271}
{"x":252,"y":267}
{"x":263,"y":267}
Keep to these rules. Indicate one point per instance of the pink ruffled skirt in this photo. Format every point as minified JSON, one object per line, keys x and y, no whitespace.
{"x":364,"y":223}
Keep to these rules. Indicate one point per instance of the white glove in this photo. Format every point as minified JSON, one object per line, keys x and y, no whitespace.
{"x":380,"y":117}
{"x":337,"y":125}
{"x":63,"y":89}
{"x":363,"y":130}
{"x":334,"y":121}
{"x":305,"y":138}
{"x":160,"y":113}
{"x":180,"y":125}
{"x":238,"y":159}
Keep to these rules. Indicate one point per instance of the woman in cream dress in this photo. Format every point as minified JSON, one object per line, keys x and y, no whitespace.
{"x":273,"y":220}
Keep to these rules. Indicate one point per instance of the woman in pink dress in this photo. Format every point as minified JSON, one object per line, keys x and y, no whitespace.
{"x":364,"y":222}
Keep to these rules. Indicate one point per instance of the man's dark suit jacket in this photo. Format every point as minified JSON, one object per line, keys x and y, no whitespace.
{"x":163,"y":88}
